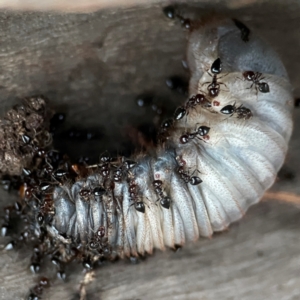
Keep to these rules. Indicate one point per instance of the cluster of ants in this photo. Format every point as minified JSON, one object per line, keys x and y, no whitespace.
{"x":36,"y":210}
{"x":213,"y":88}
{"x":202,"y":100}
{"x":113,"y":172}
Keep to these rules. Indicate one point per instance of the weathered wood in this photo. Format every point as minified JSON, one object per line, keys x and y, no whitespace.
{"x":93,"y":66}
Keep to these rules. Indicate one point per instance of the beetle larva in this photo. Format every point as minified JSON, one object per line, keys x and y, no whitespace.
{"x":214,"y":160}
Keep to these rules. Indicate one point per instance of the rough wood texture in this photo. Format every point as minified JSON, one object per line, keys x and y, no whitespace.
{"x":69,"y":5}
{"x":93,"y":66}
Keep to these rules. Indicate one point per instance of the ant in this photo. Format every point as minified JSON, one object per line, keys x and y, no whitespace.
{"x":241,"y":111}
{"x":57,"y":174}
{"x":9,"y":210}
{"x":138,"y":205}
{"x":37,"y":290}
{"x":56,"y":261}
{"x":123,"y":169}
{"x":198,"y":99}
{"x":85,"y":193}
{"x":214,"y":87}
{"x":202,"y":131}
{"x":165,"y":201}
{"x":255,"y":77}
{"x":193,"y":180}
{"x":98,"y":192}
{"x":163,"y":134}
{"x":179,"y":113}
{"x":170,"y":13}
{"x":104,"y":165}
{"x":96,"y":242}
{"x":47,"y":207}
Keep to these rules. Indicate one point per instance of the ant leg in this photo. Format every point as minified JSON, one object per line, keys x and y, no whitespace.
{"x":223,"y":76}
{"x":197,"y":137}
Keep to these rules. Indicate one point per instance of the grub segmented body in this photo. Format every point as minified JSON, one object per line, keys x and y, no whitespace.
{"x":236,"y":160}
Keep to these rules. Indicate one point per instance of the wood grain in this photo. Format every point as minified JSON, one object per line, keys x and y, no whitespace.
{"x":93,"y":66}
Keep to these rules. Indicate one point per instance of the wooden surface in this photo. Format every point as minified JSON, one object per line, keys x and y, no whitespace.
{"x":93,"y":66}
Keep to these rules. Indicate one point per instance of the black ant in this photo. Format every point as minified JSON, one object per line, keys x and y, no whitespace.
{"x":138,"y":205}
{"x":123,"y":170}
{"x":85,"y":193}
{"x":170,"y":12}
{"x":98,"y":192}
{"x":96,"y":242}
{"x":256,"y":77}
{"x":241,"y":111}
{"x":198,"y":99}
{"x":55,"y":259}
{"x":47,"y":207}
{"x":163,"y":133}
{"x":104,"y":165}
{"x":179,"y":113}
{"x":36,"y":260}
{"x":37,"y":290}
{"x":193,"y":180}
{"x":202,"y":131}
{"x":214,"y":87}
{"x":166,"y":125}
{"x":16,"y":208}
{"x":165,"y":201}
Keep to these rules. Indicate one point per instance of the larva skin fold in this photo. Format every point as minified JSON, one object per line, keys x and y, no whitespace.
{"x":237,"y":163}
{"x":213,"y":161}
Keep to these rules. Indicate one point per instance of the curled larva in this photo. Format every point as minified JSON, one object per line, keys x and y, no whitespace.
{"x":213,"y":161}
{"x":217,"y":160}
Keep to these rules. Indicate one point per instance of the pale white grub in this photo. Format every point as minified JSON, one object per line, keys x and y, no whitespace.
{"x":214,"y":161}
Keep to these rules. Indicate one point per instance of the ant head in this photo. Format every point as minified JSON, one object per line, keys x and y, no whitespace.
{"x":216,"y":66}
{"x":184,"y":139}
{"x":203,"y":130}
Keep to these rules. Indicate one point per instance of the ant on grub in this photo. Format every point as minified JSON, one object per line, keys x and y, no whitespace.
{"x":201,"y":133}
{"x":241,"y":112}
{"x":185,"y":176}
{"x":214,"y":86}
{"x":256,"y":78}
